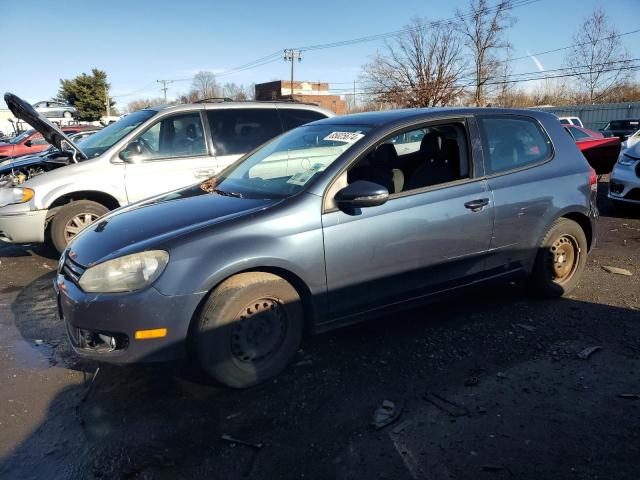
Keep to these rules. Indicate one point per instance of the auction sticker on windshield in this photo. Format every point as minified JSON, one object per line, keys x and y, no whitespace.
{"x":348,"y":137}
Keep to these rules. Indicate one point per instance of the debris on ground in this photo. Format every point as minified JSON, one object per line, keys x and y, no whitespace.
{"x":397,"y":430}
{"x":448,"y":406}
{"x":587,"y":352}
{"x":617,"y":270}
{"x":471,"y":381}
{"x":632,"y":396}
{"x":530,"y":328}
{"x":385,"y":414}
{"x":230,"y":439}
{"x":303,"y":363}
{"x":501,"y":375}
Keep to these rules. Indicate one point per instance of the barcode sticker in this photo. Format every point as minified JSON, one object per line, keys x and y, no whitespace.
{"x":347,"y":137}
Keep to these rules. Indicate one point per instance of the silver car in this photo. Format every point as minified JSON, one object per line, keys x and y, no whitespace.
{"x":624,"y":183}
{"x":52,"y":109}
{"x":146,"y":153}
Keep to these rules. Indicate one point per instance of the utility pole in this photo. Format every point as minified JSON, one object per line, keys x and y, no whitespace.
{"x":164,"y":87}
{"x":107,"y":100}
{"x":289,"y":56}
{"x":354,"y":94}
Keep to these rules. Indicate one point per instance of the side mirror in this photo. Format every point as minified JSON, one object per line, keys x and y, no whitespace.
{"x":361,"y":194}
{"x":132,"y":152}
{"x":28,"y":143}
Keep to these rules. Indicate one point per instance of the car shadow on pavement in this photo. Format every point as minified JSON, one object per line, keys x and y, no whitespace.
{"x":507,"y":360}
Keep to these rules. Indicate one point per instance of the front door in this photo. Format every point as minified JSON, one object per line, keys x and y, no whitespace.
{"x":174,"y":155}
{"x":434,"y":231}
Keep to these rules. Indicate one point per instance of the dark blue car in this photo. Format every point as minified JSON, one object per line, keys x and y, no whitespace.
{"x":331,"y":223}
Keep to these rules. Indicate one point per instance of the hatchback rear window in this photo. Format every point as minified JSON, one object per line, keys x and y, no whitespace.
{"x":511,"y":142}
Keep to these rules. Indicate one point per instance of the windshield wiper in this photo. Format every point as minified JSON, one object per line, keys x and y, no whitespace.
{"x":228,"y":194}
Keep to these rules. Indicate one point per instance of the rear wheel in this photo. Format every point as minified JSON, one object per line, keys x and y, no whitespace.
{"x":73,"y":218}
{"x":249,"y":329}
{"x":561,"y":259}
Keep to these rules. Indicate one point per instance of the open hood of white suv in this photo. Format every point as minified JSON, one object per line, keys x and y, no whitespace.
{"x":52,"y":134}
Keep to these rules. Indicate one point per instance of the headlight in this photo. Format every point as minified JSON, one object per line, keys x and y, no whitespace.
{"x":9,"y":196}
{"x":125,"y":274}
{"x":624,"y":160}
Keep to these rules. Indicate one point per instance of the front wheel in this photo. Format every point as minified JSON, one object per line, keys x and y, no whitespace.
{"x":249,"y":329}
{"x":71,"y":219}
{"x":560,"y":260}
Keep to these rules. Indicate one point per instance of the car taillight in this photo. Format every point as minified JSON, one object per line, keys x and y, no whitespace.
{"x":593,"y":180}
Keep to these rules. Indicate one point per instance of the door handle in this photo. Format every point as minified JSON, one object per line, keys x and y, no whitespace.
{"x":204,"y":173}
{"x":477,"y":205}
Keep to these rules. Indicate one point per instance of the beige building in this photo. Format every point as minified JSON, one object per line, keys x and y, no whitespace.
{"x":303,"y":91}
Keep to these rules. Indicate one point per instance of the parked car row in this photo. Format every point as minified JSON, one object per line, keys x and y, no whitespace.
{"x":31,"y":141}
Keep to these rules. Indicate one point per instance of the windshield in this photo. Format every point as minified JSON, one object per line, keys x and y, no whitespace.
{"x":284,"y":166}
{"x":101,"y":141}
{"x":21,"y":137}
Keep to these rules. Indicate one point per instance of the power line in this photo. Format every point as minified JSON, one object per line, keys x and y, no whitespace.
{"x":381,"y":36}
{"x":519,"y":80}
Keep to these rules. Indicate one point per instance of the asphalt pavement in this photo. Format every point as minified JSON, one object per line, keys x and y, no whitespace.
{"x":487,"y":385}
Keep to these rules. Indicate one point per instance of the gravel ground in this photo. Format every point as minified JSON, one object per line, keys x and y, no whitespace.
{"x":489,"y":386}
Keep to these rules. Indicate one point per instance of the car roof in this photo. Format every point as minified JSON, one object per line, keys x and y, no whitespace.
{"x":241,"y":104}
{"x":389,"y":117}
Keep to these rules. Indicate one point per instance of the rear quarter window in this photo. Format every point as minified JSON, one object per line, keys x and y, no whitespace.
{"x":292,"y":118}
{"x":511,"y":142}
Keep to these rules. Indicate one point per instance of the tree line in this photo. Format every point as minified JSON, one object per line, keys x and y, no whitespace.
{"x":468,"y":61}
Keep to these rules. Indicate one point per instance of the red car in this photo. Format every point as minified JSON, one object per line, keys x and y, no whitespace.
{"x":601,"y":152}
{"x":29,"y":142}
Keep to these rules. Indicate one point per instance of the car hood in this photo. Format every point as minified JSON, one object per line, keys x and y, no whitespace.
{"x":8,"y":165}
{"x":144,"y":225}
{"x":52,"y":134}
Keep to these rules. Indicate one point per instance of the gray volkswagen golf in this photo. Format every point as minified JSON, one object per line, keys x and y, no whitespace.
{"x":333,"y":222}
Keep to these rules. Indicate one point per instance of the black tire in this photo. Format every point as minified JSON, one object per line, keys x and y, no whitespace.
{"x":560,"y":260}
{"x":246,"y":306}
{"x":60,"y":224}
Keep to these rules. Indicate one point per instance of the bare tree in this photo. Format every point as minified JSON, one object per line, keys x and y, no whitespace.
{"x":483,"y":28}
{"x":421,"y":68}
{"x":598,"y":59}
{"x":237,"y":92}
{"x":141,"y":103}
{"x":204,"y":85}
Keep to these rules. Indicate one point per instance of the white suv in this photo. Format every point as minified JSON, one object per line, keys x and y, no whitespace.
{"x":143,"y":154}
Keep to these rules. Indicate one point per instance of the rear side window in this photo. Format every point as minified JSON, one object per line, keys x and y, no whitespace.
{"x":511,"y":142}
{"x":240,"y":130}
{"x":578,"y":134}
{"x":292,"y":118}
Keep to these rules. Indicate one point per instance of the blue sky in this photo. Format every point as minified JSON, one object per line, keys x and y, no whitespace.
{"x":138,"y":42}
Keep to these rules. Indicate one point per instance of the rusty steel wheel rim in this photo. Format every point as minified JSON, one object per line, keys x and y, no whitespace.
{"x":258,"y":330}
{"x":77,"y":223}
{"x":563,"y":258}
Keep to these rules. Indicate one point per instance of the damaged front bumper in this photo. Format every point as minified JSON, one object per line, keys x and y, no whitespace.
{"x":103,"y":326}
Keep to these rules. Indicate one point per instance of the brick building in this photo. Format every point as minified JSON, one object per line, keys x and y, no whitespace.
{"x":311,"y":92}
